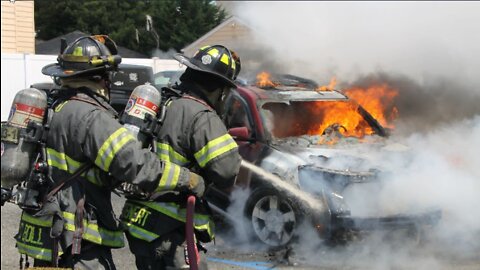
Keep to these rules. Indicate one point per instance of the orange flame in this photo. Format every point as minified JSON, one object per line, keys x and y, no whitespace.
{"x":378,"y":100}
{"x":335,"y":118}
{"x":330,"y":86}
{"x":343,"y":113}
{"x":339,"y":119}
{"x":263,"y":80}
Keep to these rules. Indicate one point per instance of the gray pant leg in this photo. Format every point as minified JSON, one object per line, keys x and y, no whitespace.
{"x":166,"y":252}
{"x":92,"y":257}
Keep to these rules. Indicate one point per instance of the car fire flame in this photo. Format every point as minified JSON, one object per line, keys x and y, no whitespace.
{"x":264,"y":81}
{"x":340,"y":116}
{"x":378,"y":100}
{"x":329,"y":87}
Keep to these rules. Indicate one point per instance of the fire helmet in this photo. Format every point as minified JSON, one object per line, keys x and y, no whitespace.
{"x":216,"y":60}
{"x":88,"y":55}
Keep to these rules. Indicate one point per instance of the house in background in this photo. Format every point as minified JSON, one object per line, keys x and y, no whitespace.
{"x":52,"y":46}
{"x":232,"y":33}
{"x":238,"y":36}
{"x":18,"y":27}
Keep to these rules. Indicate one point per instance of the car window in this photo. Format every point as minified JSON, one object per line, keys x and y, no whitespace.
{"x":167,"y":78}
{"x":162,"y":80}
{"x":311,"y":118}
{"x":128,"y":79}
{"x":236,"y":114}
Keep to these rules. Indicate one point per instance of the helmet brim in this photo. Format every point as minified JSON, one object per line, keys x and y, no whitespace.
{"x":187,"y":62}
{"x":56,"y":70}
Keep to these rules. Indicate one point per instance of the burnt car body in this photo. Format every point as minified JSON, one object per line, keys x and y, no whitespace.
{"x":272,"y":127}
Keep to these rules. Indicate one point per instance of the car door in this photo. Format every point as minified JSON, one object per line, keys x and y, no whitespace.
{"x":238,"y":114}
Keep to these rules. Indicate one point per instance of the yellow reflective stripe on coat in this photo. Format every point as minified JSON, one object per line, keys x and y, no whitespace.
{"x":201,"y":222}
{"x":111,"y":146}
{"x":37,"y":220}
{"x":167,"y":153}
{"x":35,"y":252}
{"x":60,"y":106}
{"x":33,"y":237}
{"x":169,"y":178}
{"x":65,"y":163}
{"x":140,"y":233}
{"x":94,"y":233}
{"x":215,"y":148}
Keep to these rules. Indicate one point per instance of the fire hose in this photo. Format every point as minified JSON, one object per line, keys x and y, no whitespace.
{"x":192,"y":251}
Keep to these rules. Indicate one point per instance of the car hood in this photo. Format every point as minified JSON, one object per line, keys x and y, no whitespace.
{"x":287,"y":156}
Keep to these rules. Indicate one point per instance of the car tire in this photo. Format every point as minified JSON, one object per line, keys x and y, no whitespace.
{"x":273,"y":217}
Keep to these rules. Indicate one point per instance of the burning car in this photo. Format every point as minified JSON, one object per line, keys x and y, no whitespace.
{"x":303,"y":146}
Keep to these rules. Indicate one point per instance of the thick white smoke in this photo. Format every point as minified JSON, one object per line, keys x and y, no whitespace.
{"x":430,"y":52}
{"x":349,"y":39}
{"x":439,"y":170}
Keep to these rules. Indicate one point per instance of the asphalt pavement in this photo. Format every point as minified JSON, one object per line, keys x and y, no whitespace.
{"x":226,"y":254}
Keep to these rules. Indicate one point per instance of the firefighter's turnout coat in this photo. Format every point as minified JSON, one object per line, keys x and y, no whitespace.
{"x":193,"y":136}
{"x":83,"y":129}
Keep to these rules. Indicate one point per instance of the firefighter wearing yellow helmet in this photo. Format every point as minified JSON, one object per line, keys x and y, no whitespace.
{"x":88,"y":154}
{"x":194,"y":136}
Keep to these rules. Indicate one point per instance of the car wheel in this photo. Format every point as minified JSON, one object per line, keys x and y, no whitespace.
{"x":273,"y":217}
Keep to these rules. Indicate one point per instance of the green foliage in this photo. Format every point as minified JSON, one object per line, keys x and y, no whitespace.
{"x":177,"y":22}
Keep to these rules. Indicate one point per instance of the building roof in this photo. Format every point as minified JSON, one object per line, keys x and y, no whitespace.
{"x":52,"y":46}
{"x":197,"y":43}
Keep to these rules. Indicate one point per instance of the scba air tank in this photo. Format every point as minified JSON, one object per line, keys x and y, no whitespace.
{"x":141,"y":110}
{"x":17,"y":151}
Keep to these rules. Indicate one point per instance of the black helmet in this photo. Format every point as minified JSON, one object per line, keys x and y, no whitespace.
{"x":89,"y":55}
{"x":216,"y":60}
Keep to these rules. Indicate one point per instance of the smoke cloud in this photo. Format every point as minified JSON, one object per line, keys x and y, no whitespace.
{"x":163,"y":54}
{"x":429,"y":51}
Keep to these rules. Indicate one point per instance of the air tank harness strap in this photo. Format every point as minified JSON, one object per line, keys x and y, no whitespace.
{"x":149,"y":125}
{"x":77,"y":235}
{"x":199,"y":101}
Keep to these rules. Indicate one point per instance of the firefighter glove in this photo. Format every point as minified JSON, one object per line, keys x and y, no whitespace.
{"x":192,"y":183}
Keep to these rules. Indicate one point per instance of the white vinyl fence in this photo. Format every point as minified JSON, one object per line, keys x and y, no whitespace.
{"x":19,"y":71}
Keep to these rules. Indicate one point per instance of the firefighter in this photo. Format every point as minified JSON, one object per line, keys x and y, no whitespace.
{"x":84,"y":133}
{"x":193,"y":135}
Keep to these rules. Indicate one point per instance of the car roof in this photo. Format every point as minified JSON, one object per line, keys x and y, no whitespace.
{"x":290,"y":93}
{"x":288,"y":87}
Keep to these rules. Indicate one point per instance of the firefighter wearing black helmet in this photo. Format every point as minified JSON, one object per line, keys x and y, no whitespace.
{"x":84,"y":134}
{"x":194,"y":136}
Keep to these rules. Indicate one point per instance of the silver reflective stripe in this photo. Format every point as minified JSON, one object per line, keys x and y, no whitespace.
{"x":174,"y":211}
{"x":114,"y":143}
{"x":215,"y":148}
{"x":169,"y":178}
{"x":167,"y":153}
{"x":111,"y":148}
{"x":65,"y":163}
{"x":35,"y":252}
{"x":55,"y":159}
{"x":93,"y":176}
{"x":140,"y":233}
{"x":94,"y":233}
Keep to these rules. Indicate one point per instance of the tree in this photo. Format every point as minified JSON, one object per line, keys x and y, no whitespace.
{"x":177,"y":22}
